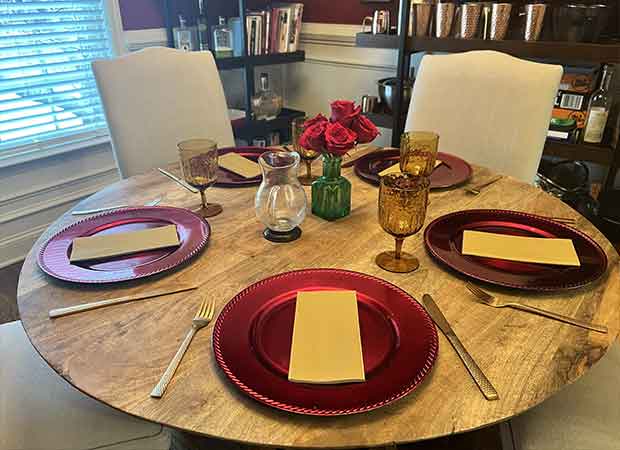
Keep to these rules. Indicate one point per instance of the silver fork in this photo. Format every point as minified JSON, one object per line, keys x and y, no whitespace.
{"x":85,"y":212}
{"x":490,"y":300}
{"x":201,"y":320}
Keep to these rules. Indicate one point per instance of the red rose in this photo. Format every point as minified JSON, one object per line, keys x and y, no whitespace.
{"x":339,"y":139}
{"x":365,"y":129}
{"x":344,"y":111}
{"x":319,"y":118}
{"x":314,"y":136}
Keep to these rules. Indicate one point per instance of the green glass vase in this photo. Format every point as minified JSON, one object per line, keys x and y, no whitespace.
{"x":331,"y":192}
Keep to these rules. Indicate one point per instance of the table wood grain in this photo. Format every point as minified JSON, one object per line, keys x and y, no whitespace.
{"x":117,"y":354}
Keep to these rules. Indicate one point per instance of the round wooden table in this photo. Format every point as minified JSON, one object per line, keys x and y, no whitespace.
{"x":117,"y":354}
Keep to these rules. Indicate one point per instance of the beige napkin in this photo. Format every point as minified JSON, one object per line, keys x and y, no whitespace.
{"x":239,"y":165}
{"x":518,"y":248}
{"x":327,"y":346}
{"x":118,"y":244}
{"x":396,"y":168}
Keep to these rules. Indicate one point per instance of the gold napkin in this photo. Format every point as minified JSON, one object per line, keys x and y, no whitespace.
{"x":109,"y":245}
{"x":327,"y":346}
{"x":518,"y":248}
{"x":396,"y":168}
{"x":239,"y":165}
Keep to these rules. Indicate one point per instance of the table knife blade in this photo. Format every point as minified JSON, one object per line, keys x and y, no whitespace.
{"x":476,"y":373}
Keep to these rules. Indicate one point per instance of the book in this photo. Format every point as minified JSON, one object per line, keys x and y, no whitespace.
{"x":284,"y":24}
{"x":275,"y":30}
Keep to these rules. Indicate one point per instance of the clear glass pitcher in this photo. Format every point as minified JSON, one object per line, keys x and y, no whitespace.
{"x":280,"y":202}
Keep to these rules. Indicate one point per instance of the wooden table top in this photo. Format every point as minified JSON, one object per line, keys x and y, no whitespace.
{"x":117,"y":354}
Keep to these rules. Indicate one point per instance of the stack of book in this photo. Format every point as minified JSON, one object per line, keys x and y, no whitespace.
{"x":275,"y":30}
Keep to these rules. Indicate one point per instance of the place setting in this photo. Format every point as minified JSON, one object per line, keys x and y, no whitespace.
{"x":449,"y":170}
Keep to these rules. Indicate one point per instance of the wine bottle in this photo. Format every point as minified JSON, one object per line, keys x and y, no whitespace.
{"x":598,"y":109}
{"x":203,"y":26}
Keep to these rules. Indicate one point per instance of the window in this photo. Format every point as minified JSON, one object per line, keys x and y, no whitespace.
{"x":47,"y":89}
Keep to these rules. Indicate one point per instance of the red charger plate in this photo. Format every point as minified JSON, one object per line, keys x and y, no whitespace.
{"x":193,"y":233}
{"x":444,"y":236}
{"x":226,"y":178}
{"x":453,"y":172}
{"x":252,"y":343}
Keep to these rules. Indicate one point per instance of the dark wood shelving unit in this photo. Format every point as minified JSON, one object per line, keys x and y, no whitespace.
{"x":238,"y":62}
{"x":244,"y":128}
{"x":558,"y":52}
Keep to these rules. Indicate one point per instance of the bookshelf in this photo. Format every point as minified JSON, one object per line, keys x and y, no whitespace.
{"x":247,"y":128}
{"x":606,"y":154}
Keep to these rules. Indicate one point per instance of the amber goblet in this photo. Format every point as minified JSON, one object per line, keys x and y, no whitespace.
{"x":418,"y":152}
{"x":307,"y":154}
{"x":199,"y":166}
{"x":402,"y":209}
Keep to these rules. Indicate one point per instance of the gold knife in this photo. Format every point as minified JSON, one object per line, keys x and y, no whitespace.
{"x":481,"y":380}
{"x":59,"y":312}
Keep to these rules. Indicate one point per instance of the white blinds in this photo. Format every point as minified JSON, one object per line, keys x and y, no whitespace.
{"x":47,"y":90}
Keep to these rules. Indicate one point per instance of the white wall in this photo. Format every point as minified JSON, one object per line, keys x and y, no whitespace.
{"x":335,"y":69}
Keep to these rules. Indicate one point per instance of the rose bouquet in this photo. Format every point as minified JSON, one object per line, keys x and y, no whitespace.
{"x":335,"y":136}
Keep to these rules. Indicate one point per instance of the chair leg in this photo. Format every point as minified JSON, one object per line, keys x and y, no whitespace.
{"x":507,"y":436}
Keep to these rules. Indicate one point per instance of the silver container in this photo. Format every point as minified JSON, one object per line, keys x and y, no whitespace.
{"x":444,"y":15}
{"x":387,"y":87}
{"x":500,"y":19}
{"x":468,"y":19}
{"x":534,"y":19}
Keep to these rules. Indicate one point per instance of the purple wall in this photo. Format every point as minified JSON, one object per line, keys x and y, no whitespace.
{"x":141,"y":14}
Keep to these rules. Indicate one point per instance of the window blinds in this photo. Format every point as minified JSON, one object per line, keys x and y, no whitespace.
{"x":47,"y":89}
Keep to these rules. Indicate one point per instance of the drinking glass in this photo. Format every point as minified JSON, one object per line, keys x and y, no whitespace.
{"x":307,"y":154}
{"x":199,"y":166}
{"x":418,"y":152}
{"x":402,"y":209}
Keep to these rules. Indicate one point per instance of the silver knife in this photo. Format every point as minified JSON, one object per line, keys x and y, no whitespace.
{"x":481,"y":380}
{"x":178,"y":180}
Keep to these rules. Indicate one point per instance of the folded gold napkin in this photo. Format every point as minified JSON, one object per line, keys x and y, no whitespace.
{"x":518,"y":248}
{"x":109,"y":245}
{"x":327,"y":346}
{"x":396,"y":168}
{"x":239,"y":165}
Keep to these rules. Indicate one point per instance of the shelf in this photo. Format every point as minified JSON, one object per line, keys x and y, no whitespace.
{"x":600,"y":154}
{"x":382,"y":120}
{"x":564,"y":51}
{"x":238,"y":62}
{"x":370,"y":40}
{"x":248,"y":129}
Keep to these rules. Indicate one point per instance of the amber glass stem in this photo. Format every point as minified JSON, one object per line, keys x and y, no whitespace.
{"x":309,"y":168}
{"x":399,"y":247}
{"x":203,"y":197}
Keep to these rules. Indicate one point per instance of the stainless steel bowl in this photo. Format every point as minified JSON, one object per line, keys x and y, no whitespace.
{"x":387,"y":88}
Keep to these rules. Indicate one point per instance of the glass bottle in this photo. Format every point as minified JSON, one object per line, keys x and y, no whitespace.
{"x":222,"y":40}
{"x":331,"y":192}
{"x":185,"y":37}
{"x":598,"y":109}
{"x":203,"y":27}
{"x":266,"y":104}
{"x":280,"y":201}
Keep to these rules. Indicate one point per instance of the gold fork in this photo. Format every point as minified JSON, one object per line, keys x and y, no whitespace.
{"x":490,"y":300}
{"x":564,"y":220}
{"x":201,"y":320}
{"x":476,"y":190}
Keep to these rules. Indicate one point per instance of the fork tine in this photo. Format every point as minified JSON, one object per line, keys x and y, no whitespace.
{"x":211,"y":310}
{"x":477,"y":291}
{"x":201,"y":309}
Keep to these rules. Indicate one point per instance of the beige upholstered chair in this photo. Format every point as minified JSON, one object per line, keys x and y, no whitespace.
{"x":583,"y":416}
{"x":41,"y":411}
{"x":489,"y":108}
{"x":155,"y":98}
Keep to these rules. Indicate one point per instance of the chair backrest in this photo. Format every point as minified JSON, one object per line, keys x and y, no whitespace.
{"x":155,"y":98}
{"x":489,"y":108}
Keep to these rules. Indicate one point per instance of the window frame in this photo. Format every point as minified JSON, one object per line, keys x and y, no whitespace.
{"x":78,"y":141}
